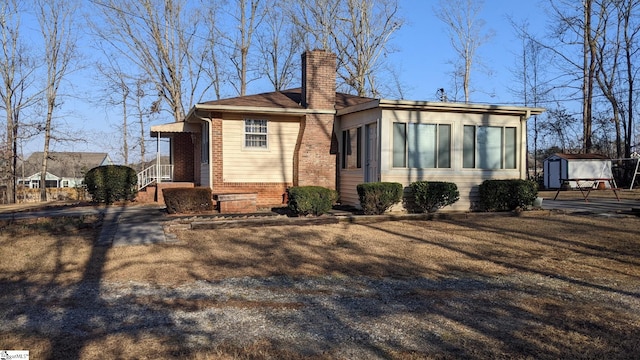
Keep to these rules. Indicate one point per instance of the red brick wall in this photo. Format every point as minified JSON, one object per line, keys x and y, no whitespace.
{"x":315,"y":160}
{"x":269,"y":194}
{"x":318,"y":79}
{"x":316,"y":164}
{"x":183,"y":157}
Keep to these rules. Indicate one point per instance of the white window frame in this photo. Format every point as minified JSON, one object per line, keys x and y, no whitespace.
{"x":258,"y":130}
{"x":508,"y":156}
{"x":409,"y":149}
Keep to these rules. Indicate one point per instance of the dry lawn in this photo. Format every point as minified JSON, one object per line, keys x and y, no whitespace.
{"x":500,"y":286}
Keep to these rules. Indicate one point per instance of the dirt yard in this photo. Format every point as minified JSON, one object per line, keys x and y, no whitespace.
{"x":482,"y":286}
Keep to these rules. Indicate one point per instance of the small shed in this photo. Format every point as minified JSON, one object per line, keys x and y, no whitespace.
{"x":575,"y":166}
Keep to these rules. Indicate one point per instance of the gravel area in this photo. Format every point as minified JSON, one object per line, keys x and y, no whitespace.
{"x":346,"y":317}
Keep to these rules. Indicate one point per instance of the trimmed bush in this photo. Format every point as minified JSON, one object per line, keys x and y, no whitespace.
{"x":507,"y":195}
{"x":430,"y":196}
{"x":187,"y":200}
{"x":111,"y":183}
{"x":378,"y":197}
{"x":315,"y":200}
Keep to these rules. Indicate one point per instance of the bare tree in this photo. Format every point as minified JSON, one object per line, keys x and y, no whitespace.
{"x":279,"y":45}
{"x":117,"y":92}
{"x":466,"y":33}
{"x":16,"y":88}
{"x":530,"y":75}
{"x":216,"y":71}
{"x":627,"y":11}
{"x":161,"y":39}
{"x":362,"y":39}
{"x":316,"y":21}
{"x":247,"y":16}
{"x":57,"y":25}
{"x":577,"y":31}
{"x":607,"y":56}
{"x":358,"y":31}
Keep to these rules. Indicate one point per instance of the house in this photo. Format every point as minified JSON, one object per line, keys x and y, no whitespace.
{"x":575,"y":166}
{"x":64,"y":169}
{"x":313,"y":135}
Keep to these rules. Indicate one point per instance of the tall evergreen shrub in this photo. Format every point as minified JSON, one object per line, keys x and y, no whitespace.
{"x":111,"y":183}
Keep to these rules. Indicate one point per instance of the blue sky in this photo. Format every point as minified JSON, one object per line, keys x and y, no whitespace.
{"x":425,"y":49}
{"x":422,"y":59}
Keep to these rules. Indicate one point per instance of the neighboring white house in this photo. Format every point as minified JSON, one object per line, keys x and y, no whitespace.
{"x":575,"y":166}
{"x":64,"y":169}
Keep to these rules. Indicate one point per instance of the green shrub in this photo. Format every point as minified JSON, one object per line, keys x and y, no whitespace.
{"x":111,"y":183}
{"x":378,"y":197}
{"x":316,"y":200}
{"x":187,"y":200}
{"x":430,"y":196}
{"x":507,"y":195}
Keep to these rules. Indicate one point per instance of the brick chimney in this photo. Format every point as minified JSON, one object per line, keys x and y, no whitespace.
{"x":315,"y":158}
{"x":318,"y":79}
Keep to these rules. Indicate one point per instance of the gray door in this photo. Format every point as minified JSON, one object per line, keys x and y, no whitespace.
{"x":371,"y":153}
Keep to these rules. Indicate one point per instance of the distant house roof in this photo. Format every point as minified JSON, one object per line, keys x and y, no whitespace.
{"x":65,"y":164}
{"x":582,"y":156}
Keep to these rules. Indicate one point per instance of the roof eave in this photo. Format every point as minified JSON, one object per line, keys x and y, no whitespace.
{"x":260,"y":110}
{"x":359,"y":107}
{"x":460,"y":107}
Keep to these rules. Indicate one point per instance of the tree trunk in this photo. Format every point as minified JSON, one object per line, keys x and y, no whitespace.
{"x":45,"y":151}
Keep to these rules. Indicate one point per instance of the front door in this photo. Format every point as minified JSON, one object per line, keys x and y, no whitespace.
{"x":371,"y":153}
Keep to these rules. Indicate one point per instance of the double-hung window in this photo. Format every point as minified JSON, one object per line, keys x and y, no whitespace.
{"x":255,"y":134}
{"x":421,"y":145}
{"x":489,"y":147}
{"x":352,"y":148}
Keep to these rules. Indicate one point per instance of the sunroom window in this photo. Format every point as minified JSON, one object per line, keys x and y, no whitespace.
{"x":489,"y":147}
{"x":421,"y":145}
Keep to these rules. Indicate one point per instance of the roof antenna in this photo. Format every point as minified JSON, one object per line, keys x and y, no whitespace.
{"x":441,"y":95}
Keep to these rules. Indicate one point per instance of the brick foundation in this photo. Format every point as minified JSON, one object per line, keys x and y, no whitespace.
{"x":268,"y":194}
{"x":236,"y":203}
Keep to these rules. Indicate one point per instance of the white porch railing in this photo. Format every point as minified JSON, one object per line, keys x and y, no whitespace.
{"x":155,"y":174}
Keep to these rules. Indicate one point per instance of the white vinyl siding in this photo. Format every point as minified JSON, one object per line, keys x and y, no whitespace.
{"x":271,"y":164}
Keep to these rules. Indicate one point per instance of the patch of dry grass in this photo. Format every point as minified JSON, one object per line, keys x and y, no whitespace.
{"x":558,"y":272}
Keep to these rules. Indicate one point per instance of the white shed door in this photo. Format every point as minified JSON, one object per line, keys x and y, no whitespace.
{"x":554,"y":174}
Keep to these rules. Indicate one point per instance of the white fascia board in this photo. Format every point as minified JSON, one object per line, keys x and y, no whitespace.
{"x":460,"y":107}
{"x":255,"y":110}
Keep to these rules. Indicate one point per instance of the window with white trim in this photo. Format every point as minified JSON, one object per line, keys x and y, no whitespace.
{"x":352,"y":148}
{"x":421,"y":145}
{"x":256,"y":134}
{"x":489,"y":147}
